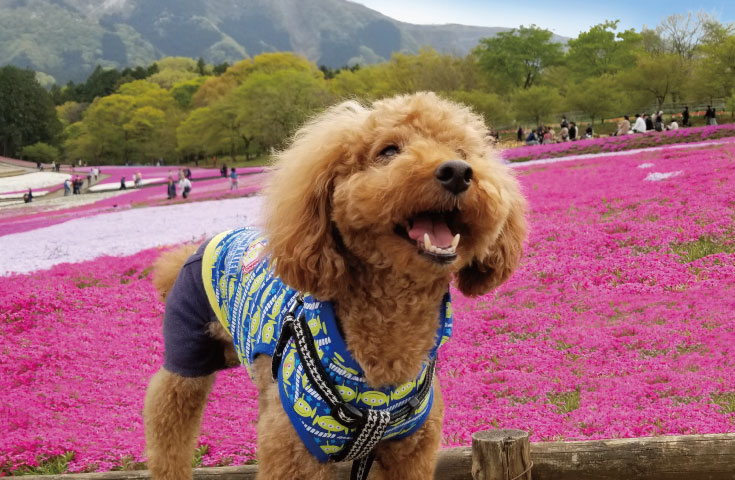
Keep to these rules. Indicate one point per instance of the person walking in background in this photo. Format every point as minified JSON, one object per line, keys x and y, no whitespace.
{"x":520,"y":134}
{"x":685,"y":117}
{"x":28,"y":196}
{"x":185,"y":186}
{"x":564,"y":122}
{"x":233,"y":179}
{"x":122,"y":184}
{"x":223,"y":170}
{"x":171,"y":187}
{"x":713,"y":117}
{"x":564,"y":134}
{"x":67,"y":187}
{"x":573,"y":131}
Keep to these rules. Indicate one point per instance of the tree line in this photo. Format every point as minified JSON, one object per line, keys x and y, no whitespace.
{"x":181,"y":109}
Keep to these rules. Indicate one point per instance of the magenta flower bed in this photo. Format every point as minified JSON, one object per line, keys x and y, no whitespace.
{"x":619,"y":144}
{"x":618,"y":324}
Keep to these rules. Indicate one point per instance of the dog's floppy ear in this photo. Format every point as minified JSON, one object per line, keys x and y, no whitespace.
{"x":301,"y":236}
{"x":504,"y":254}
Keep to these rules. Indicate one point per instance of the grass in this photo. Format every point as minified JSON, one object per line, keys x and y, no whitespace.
{"x":725,"y":400}
{"x":50,"y":465}
{"x":59,"y":464}
{"x":703,"y":247}
{"x":565,"y":401}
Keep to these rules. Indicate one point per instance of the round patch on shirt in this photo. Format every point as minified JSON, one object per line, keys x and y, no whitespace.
{"x":252,"y":255}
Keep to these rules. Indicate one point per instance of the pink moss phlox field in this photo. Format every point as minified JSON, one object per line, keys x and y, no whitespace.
{"x":619,"y":323}
{"x":607,"y":330}
{"x":79,"y":343}
{"x":619,"y":144}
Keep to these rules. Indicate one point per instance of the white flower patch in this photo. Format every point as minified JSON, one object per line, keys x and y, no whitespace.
{"x":62,"y":202}
{"x":124,"y":233}
{"x":104,"y":187}
{"x":658,"y":176}
{"x":17,"y":195}
{"x":645,"y":165}
{"x":32,"y":180}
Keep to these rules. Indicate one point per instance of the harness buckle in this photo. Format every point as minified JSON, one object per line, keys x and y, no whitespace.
{"x":348,"y":414}
{"x":414,"y":404}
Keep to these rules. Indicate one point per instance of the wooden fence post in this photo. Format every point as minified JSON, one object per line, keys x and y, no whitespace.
{"x":501,"y":455}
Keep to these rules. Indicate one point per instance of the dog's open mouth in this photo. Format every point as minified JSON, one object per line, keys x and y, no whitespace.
{"x":433,"y":235}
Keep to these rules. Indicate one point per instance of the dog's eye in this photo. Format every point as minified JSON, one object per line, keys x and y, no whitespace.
{"x":389,"y":151}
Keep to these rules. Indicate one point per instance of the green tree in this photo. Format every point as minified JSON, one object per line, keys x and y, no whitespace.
{"x":184,"y":91}
{"x":657,"y":77}
{"x":597,"y":97}
{"x":71,"y":112}
{"x":195,"y":135}
{"x":41,"y":152}
{"x":137,"y":124}
{"x":730,"y":105}
{"x":714,"y":75}
{"x":142,"y":134}
{"x":272,"y":105}
{"x":536,"y":103}
{"x":599,"y":51}
{"x":367,"y":83}
{"x":103,"y":122}
{"x":491,"y":106}
{"x":519,"y":56}
{"x":173,"y":70}
{"x":427,"y":70}
{"x":27,"y":113}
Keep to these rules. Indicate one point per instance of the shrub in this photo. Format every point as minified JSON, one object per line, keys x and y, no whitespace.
{"x":41,"y":152}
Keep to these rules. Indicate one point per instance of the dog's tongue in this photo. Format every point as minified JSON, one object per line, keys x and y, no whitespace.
{"x":434,"y":225}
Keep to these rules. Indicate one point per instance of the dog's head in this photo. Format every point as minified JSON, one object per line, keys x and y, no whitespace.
{"x":406,"y":184}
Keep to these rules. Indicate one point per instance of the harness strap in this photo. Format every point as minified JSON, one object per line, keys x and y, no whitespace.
{"x":369,"y":425}
{"x":361,"y":468}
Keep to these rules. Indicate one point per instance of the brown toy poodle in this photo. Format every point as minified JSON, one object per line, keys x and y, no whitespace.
{"x":373,"y":211}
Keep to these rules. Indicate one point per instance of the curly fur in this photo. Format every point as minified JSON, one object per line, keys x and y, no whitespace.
{"x":333,"y":207}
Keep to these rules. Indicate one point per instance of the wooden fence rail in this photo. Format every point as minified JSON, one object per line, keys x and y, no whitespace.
{"x":688,"y":457}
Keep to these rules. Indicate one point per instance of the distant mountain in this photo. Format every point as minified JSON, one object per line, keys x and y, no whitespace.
{"x":68,"y":38}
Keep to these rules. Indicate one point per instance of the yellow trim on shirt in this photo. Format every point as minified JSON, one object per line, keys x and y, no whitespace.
{"x":207,"y":261}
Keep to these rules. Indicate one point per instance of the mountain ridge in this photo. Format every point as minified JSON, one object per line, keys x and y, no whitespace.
{"x":67,"y":39}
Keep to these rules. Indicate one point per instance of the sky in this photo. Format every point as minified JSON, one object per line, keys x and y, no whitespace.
{"x":563,"y":17}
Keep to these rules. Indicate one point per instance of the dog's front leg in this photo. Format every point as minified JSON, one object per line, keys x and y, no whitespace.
{"x":413,"y":457}
{"x":173,"y":415}
{"x":281,"y":453}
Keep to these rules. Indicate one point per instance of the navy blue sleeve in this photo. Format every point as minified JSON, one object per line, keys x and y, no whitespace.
{"x":190,"y":350}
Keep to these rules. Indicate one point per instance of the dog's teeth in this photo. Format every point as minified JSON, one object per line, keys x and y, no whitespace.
{"x":427,"y":242}
{"x":455,"y":242}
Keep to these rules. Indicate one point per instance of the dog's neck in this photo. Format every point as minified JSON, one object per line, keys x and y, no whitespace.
{"x":389,"y":322}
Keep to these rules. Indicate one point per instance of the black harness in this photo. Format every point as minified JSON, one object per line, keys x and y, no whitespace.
{"x":369,"y":424}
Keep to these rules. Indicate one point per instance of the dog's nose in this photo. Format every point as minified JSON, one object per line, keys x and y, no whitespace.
{"x":454,"y":175}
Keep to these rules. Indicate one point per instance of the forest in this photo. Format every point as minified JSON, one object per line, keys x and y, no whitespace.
{"x":182,"y":109}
